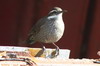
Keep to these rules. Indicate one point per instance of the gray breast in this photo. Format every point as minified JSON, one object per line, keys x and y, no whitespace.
{"x":50,"y":32}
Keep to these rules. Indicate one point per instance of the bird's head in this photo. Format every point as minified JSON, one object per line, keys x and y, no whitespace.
{"x":56,"y":11}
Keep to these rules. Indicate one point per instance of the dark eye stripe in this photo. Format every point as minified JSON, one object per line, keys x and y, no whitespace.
{"x":53,"y":11}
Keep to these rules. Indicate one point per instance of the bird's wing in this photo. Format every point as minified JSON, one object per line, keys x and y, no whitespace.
{"x":34,"y":31}
{"x":37,"y":27}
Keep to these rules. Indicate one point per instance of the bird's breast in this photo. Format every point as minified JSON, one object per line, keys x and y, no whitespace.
{"x":52,"y":31}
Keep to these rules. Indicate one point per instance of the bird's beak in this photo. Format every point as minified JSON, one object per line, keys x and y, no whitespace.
{"x":63,"y":11}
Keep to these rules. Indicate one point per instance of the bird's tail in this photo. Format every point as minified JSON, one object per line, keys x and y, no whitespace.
{"x":28,"y":41}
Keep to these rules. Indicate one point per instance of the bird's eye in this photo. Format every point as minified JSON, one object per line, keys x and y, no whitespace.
{"x":54,"y":11}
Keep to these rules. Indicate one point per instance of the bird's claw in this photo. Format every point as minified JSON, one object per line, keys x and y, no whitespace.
{"x":44,"y":52}
{"x":54,"y":54}
{"x":57,"y":52}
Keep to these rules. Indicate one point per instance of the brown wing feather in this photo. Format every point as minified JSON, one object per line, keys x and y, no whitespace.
{"x":34,"y":31}
{"x":37,"y":27}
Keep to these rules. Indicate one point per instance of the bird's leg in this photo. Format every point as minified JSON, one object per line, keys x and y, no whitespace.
{"x":44,"y":50}
{"x":57,"y":50}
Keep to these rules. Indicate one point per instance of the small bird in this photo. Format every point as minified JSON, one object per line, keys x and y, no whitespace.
{"x":48,"y":29}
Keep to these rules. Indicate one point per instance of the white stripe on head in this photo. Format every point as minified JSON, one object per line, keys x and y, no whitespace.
{"x":52,"y":11}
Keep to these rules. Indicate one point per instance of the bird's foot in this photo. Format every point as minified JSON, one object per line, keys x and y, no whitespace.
{"x":56,"y":52}
{"x":45,"y":52}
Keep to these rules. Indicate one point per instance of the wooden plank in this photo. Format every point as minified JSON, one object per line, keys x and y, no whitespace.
{"x":30,"y":53}
{"x":38,"y":52}
{"x":65,"y":62}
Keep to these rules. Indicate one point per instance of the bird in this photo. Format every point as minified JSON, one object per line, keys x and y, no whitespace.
{"x":48,"y":29}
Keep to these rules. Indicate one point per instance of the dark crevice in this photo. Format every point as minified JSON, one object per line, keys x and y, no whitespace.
{"x":87,"y":29}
